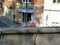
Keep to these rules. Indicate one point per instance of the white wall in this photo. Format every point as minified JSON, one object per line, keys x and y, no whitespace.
{"x":48,"y":4}
{"x":53,"y":16}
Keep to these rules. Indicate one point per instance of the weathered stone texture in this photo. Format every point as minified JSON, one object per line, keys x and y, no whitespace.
{"x":18,"y":40}
{"x":30,"y":36}
{"x":32,"y":39}
{"x":48,"y":39}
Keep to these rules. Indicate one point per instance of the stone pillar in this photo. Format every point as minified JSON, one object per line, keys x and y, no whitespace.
{"x":38,"y":12}
{"x":32,"y":17}
{"x":21,"y":17}
{"x":17,"y":13}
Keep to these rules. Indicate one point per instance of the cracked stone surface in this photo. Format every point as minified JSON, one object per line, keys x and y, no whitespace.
{"x":41,"y":36}
{"x":32,"y":39}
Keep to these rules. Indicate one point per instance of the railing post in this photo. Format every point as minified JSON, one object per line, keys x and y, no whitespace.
{"x":26,"y":12}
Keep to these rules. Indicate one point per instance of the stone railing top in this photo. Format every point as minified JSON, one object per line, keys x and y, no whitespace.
{"x":31,"y":30}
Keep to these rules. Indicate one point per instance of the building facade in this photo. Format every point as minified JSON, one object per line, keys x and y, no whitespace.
{"x":30,"y":9}
{"x":26,"y":10}
{"x":51,"y":13}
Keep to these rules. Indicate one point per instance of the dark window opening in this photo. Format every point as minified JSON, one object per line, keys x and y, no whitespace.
{"x":26,"y":17}
{"x":54,"y":1}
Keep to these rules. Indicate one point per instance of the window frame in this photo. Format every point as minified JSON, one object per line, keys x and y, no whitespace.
{"x":56,"y":1}
{"x":25,"y":1}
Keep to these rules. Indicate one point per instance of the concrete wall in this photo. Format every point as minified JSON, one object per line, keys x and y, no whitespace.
{"x":32,"y":39}
{"x":37,"y":36}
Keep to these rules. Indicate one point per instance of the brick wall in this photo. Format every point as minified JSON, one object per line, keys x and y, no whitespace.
{"x":34,"y":1}
{"x":38,"y":1}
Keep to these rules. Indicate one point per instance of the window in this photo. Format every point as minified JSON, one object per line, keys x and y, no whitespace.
{"x":56,"y":1}
{"x":26,"y":17}
{"x":24,"y":1}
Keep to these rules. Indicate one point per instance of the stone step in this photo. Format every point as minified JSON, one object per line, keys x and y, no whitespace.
{"x":43,"y":30}
{"x":6,"y":21}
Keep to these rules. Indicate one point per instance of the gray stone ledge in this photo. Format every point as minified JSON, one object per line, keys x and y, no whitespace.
{"x":31,"y":30}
